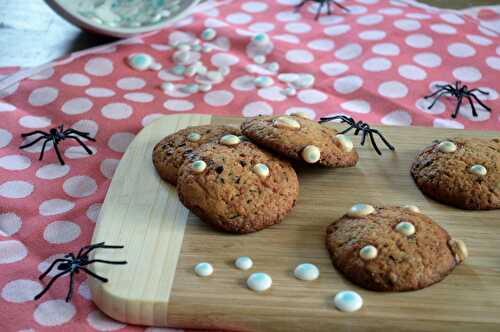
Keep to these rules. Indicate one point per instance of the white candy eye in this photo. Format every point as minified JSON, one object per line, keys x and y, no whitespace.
{"x":198,"y":166}
{"x":311,"y":154}
{"x":447,"y":147}
{"x":360,"y":210}
{"x":368,"y":252}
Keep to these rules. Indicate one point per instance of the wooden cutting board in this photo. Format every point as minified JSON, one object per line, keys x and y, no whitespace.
{"x":163,"y":242}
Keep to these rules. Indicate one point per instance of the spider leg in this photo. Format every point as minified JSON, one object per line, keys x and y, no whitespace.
{"x":32,"y":143}
{"x":58,"y":154}
{"x":80,"y":133}
{"x":374,"y":144}
{"x":100,"y":245}
{"x":104,"y":261}
{"x":457,"y":108}
{"x":81,"y":143}
{"x":34,"y":133}
{"x":486,"y":93}
{"x":94,"y":275}
{"x":70,"y":290}
{"x":43,"y":149}
{"x":347,"y":130}
{"x":39,"y":295}
{"x":328,"y":3}
{"x":322,"y":3}
{"x":435,"y":93}
{"x":363,"y":137}
{"x":471,"y":102}
{"x":52,"y":266}
{"x":297,"y":8}
{"x":436,"y":100}
{"x":480,"y":102}
{"x":341,"y":6}
{"x":386,"y":142}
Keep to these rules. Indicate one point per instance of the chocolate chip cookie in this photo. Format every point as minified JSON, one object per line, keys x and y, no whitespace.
{"x":170,"y":152}
{"x":392,"y":248}
{"x":237,"y":187}
{"x":462,"y":172}
{"x":300,"y":138}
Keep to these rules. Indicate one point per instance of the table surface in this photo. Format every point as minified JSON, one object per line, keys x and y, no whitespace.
{"x":32,"y":34}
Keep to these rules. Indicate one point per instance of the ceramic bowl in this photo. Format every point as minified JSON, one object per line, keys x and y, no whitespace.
{"x":122,"y":18}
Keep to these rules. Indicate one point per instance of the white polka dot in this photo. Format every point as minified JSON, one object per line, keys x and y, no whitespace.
{"x":8,"y":90}
{"x":397,"y":118}
{"x":99,"y":92}
{"x":461,"y":50}
{"x":493,"y":62}
{"x":418,"y":16}
{"x":16,"y":189}
{"x":21,"y":290}
{"x":4,"y":107}
{"x":419,"y":41}
{"x":493,"y":94}
{"x":101,"y":322}
{"x":54,"y":313}
{"x":30,"y":121}
{"x":370,"y":19}
{"x":479,"y":40}
{"x":43,"y":96}
{"x":288,"y":38}
{"x":452,"y":18}
{"x":487,"y":31}
{"x":218,"y":98}
{"x":148,"y":119}
{"x":349,"y":52}
{"x":467,"y":74}
{"x":87,"y":126}
{"x":356,"y":106}
{"x":299,"y":56}
{"x":334,"y":68}
{"x":391,"y":11}
{"x":297,"y":27}
{"x":257,"y":108}
{"x":77,"y":106}
{"x":177,"y":37}
{"x":254,"y":6}
{"x":407,"y":24}
{"x":117,"y":111}
{"x":466,"y":112}
{"x":272,"y":93}
{"x":78,"y":152}
{"x":178,"y":105}
{"x":119,"y":142}
{"x":444,"y":29}
{"x":10,"y":223}
{"x":377,"y":64}
{"x":348,"y":84}
{"x":59,"y":232}
{"x":139,"y":97}
{"x":368,"y":2}
{"x":337,"y":30}
{"x":393,"y":89}
{"x":289,"y":2}
{"x":15,"y":162}
{"x":447,"y":123}
{"x":311,"y":96}
{"x":84,"y":290}
{"x":12,"y":251}
{"x":238,"y":18}
{"x":43,"y":75}
{"x":93,"y":211}
{"x":243,"y":83}
{"x":387,"y":49}
{"x":5,"y":137}
{"x":55,"y":206}
{"x":80,"y":186}
{"x":75,"y":79}
{"x":323,"y":45}
{"x":310,"y":113}
{"x":288,"y":16}
{"x":330,"y":19}
{"x":44,"y":265}
{"x":423,"y":105}
{"x":224,"y":59}
{"x":214,"y":23}
{"x":372,"y":35}
{"x":261,"y":27}
{"x":108,"y":167}
{"x":99,"y":67}
{"x":412,"y":72}
{"x":131,"y":83}
{"x":430,"y":60}
{"x":52,"y":171}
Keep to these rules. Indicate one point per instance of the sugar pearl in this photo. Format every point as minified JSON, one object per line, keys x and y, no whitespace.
{"x":198,"y":166}
{"x":261,"y":170}
{"x":368,"y":252}
{"x":205,"y":87}
{"x":167,"y":86}
{"x":348,"y":301}
{"x":204,"y":269}
{"x":306,"y":272}
{"x":261,"y":39}
{"x":178,"y":70}
{"x":215,"y":76}
{"x":207,"y":48}
{"x":304,"y":81}
{"x":263,"y":81}
{"x":311,"y":154}
{"x":405,"y":228}
{"x":230,"y":140}
{"x":273,"y":66}
{"x":224,"y":70}
{"x":196,"y":48}
{"x":140,"y":61}
{"x":289,"y":91}
{"x":201,"y":70}
{"x":447,"y":146}
{"x":183,"y":47}
{"x":302,"y":115}
{"x":156,"y":66}
{"x":478,"y":170}
{"x":345,"y":142}
{"x":412,"y":208}
{"x":191,"y":71}
{"x":243,"y":263}
{"x":286,"y":122}
{"x":259,"y":59}
{"x":180,"y":57}
{"x":190,"y":88}
{"x":259,"y":282}
{"x":459,"y":249}
{"x":360,"y":210}
{"x":288,"y":77}
{"x":208,"y":34}
{"x":194,"y":137}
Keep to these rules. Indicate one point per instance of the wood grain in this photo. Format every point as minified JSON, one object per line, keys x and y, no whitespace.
{"x":143,"y":214}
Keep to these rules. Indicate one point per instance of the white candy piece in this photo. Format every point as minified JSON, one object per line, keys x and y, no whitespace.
{"x":273,"y":66}
{"x":190,"y":88}
{"x":230,"y":140}
{"x":191,"y":70}
{"x":478,"y":170}
{"x":180,"y":57}
{"x":261,"y":39}
{"x":348,"y":301}
{"x":412,"y":208}
{"x":261,"y":170}
{"x":311,"y":154}
{"x":140,"y":61}
{"x":304,"y":81}
{"x":194,"y":137}
{"x":183,"y":47}
{"x":368,"y":252}
{"x":243,"y":263}
{"x":224,"y":70}
{"x":198,"y":166}
{"x":201,"y":70}
{"x":205,"y":87}
{"x":306,"y":272}
{"x":302,"y":115}
{"x":206,"y":48}
{"x":259,"y":282}
{"x":203,"y":269}
{"x":459,"y":249}
{"x":345,"y":142}
{"x":263,"y":81}
{"x":405,"y":228}
{"x":208,"y":34}
{"x":214,"y":76}
{"x":259,"y":59}
{"x":289,"y":91}
{"x":447,"y":146}
{"x":156,"y":66}
{"x":360,"y":210}
{"x":168,"y":87}
{"x":288,"y":77}
{"x":286,"y":122}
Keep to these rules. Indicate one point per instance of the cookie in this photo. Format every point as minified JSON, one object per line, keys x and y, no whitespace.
{"x":170,"y":152}
{"x":300,"y":138}
{"x":462,"y":172}
{"x":392,"y":248}
{"x":237,"y":187}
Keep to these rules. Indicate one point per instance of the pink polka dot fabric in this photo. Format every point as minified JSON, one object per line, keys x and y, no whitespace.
{"x":374,"y":63}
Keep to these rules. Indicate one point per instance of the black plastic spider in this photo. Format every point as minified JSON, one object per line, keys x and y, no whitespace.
{"x":458,"y":91}
{"x":321,"y":4}
{"x":56,"y":135}
{"x":71,"y":264}
{"x":362,"y":127}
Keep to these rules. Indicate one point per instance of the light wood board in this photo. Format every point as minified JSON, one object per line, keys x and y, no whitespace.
{"x":163,"y":242}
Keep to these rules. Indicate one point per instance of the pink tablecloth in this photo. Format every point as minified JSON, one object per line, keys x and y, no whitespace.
{"x":374,"y":64}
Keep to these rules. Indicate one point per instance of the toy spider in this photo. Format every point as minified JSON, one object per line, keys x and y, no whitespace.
{"x":321,"y":4}
{"x":458,"y":91}
{"x":71,"y":264}
{"x":56,"y":135}
{"x":362,"y":127}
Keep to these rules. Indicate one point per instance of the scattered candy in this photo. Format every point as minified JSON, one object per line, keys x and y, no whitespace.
{"x":208,"y":34}
{"x":181,"y":57}
{"x":261,"y":39}
{"x":345,"y":142}
{"x":230,"y":140}
{"x":224,"y":70}
{"x":167,"y":87}
{"x":183,"y":47}
{"x":261,"y":170}
{"x":259,"y":282}
{"x":215,"y":76}
{"x":304,"y":81}
{"x":447,"y":146}
{"x":286,"y":122}
{"x":348,"y":301}
{"x":289,"y":91}
{"x":196,"y":48}
{"x":243,"y":263}
{"x":140,"y":61}
{"x":263,"y":81}
{"x":368,"y":252}
{"x":360,"y":210}
{"x":191,"y":71}
{"x":193,"y":137}
{"x":311,"y":154}
{"x":459,"y":249}
{"x":306,"y":272}
{"x":302,"y":115}
{"x":207,"y":48}
{"x":198,"y":166}
{"x":190,"y":88}
{"x":405,"y":228}
{"x":259,"y":59}
{"x":412,"y":208}
{"x":288,"y":77}
{"x":203,"y":269}
{"x":273,"y":66}
{"x":156,"y":66}
{"x":178,"y":70}
{"x":478,"y":170}
{"x":205,"y":87}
